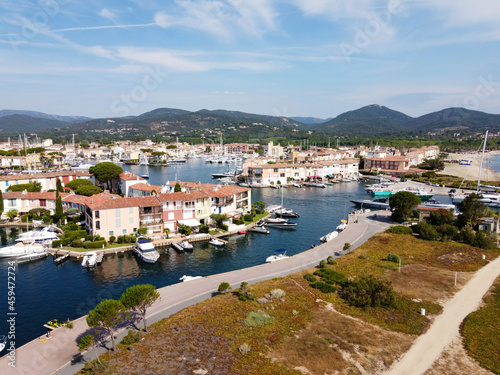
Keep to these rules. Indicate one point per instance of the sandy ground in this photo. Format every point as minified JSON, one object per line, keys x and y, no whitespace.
{"x":471,"y":172}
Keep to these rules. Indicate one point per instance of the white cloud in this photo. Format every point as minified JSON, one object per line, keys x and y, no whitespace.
{"x":164,"y":58}
{"x":221,"y":18}
{"x":465,"y":12}
{"x":106,"y":13}
{"x":335,"y":9}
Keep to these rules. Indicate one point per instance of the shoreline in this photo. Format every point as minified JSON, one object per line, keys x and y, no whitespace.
{"x":471,"y":172}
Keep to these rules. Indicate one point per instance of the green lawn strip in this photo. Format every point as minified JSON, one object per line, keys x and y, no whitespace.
{"x":481,"y":331}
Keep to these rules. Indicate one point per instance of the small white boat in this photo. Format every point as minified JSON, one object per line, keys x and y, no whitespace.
{"x":294,"y":184}
{"x":89,"y":259}
{"x":189,"y":278}
{"x":145,"y":250}
{"x":341,"y":227}
{"x":186,"y":245}
{"x":82,"y":167}
{"x":276,"y":220}
{"x":177,"y":246}
{"x":21,"y":248}
{"x":330,"y":236}
{"x":259,"y":229}
{"x":280,"y":255}
{"x":216,"y":242}
{"x":317,"y":184}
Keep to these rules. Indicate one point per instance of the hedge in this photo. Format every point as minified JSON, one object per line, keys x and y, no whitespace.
{"x":324,"y":287}
{"x":94,"y":245}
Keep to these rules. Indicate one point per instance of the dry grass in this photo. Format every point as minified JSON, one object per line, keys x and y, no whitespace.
{"x":336,"y":344}
{"x":454,"y":360}
{"x":427,"y":283}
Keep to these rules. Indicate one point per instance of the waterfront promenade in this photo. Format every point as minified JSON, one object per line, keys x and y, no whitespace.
{"x":60,"y":355}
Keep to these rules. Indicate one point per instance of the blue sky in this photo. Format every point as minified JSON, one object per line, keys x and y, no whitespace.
{"x":287,"y":58}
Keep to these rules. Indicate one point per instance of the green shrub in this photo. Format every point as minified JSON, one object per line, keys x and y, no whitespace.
{"x":331,"y":277}
{"x":257,"y":318}
{"x":310,"y":278}
{"x":131,"y":338}
{"x":238,"y":221}
{"x":391,"y":257}
{"x":223,"y":227}
{"x":484,"y":240}
{"x":369,"y":291}
{"x":447,"y":232}
{"x":204,"y":228}
{"x":322,"y":264}
{"x":77,"y":243}
{"x":467,"y":235}
{"x":94,"y":244}
{"x":324,"y":287}
{"x":112,"y":239}
{"x":248,"y":217}
{"x":331,"y":260}
{"x":224,"y":287}
{"x":56,"y":244}
{"x":426,"y":231}
{"x":347,"y":245}
{"x":399,"y":229}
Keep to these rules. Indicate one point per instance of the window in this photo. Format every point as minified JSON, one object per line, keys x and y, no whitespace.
{"x":131,"y":210}
{"x":111,"y":233}
{"x":131,"y":220}
{"x":97,"y":224}
{"x":118,"y":223}
{"x":97,"y":215}
{"x":117,"y":212}
{"x":124,"y":231}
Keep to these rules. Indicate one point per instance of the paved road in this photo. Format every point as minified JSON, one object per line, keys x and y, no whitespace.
{"x":427,"y":348}
{"x":60,"y":353}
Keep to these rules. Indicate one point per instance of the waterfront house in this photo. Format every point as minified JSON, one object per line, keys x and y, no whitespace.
{"x":143,"y":190}
{"x":24,"y":201}
{"x":125,"y":181}
{"x":48,"y":181}
{"x":190,"y":207}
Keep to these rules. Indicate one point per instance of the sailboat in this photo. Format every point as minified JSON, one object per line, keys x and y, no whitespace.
{"x":283,"y":212}
{"x":178,"y":159}
{"x":490,"y":199}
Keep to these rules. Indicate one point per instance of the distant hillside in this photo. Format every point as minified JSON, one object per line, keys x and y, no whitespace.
{"x":15,"y":124}
{"x":366,"y":121}
{"x":70,"y":119}
{"x":161,"y":112}
{"x":454,"y":119}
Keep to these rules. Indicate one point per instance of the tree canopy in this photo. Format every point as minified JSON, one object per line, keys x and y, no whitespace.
{"x":107,"y":314}
{"x":88,"y":190}
{"x":472,"y":209}
{"x":106,"y":171}
{"x":402,"y":203}
{"x":75,"y":184}
{"x":139,"y":298}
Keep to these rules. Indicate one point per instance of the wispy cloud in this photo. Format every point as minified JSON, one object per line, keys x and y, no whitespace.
{"x":106,"y":13}
{"x":222,"y":18}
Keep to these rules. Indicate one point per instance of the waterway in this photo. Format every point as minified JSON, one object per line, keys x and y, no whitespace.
{"x":44,"y":291}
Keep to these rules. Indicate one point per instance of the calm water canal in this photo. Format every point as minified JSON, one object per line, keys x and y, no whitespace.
{"x":45,"y":291}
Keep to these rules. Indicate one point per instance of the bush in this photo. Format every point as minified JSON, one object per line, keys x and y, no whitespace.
{"x":368,"y":291}
{"x":94,"y":245}
{"x":399,"y":229}
{"x":224,"y":287}
{"x":56,"y":244}
{"x":322,"y":264}
{"x":467,"y":235}
{"x":204,"y":228}
{"x":347,"y":245}
{"x":447,"y":232}
{"x":310,"y":278}
{"x":391,"y":257}
{"x":257,"y":318}
{"x":77,"y":243}
{"x":484,"y":240}
{"x":248,"y":217}
{"x":426,"y":231}
{"x":278,"y":293}
{"x":330,"y":260}
{"x":324,"y":287}
{"x":131,"y":338}
{"x":331,"y":277}
{"x":223,"y":227}
{"x":112,"y":239}
{"x":238,"y":221}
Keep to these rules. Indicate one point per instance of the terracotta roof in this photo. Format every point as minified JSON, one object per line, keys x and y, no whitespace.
{"x":128,"y":176}
{"x":23,"y":176}
{"x":145,"y":187}
{"x":28,"y":195}
{"x":182,"y":196}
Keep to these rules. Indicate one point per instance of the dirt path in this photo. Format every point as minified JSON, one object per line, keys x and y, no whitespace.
{"x":428,"y":347}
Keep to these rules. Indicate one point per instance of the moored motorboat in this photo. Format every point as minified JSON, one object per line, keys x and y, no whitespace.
{"x":259,"y":229}
{"x":89,"y":259}
{"x":189,"y":278}
{"x":45,"y":235}
{"x":216,"y":242}
{"x":62,"y":258}
{"x":145,"y":250}
{"x":37,"y":253}
{"x":242,"y":232}
{"x":280,"y":254}
{"x":379,"y":203}
{"x":177,"y":246}
{"x":186,"y":245}
{"x":21,"y":248}
{"x":330,"y":236}
{"x":282,"y":225}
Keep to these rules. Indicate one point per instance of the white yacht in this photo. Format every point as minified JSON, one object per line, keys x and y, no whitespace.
{"x":36,"y":253}
{"x":145,"y":250}
{"x":216,"y":242}
{"x":45,"y":236}
{"x":21,"y":248}
{"x":186,"y":245}
{"x":280,"y":255}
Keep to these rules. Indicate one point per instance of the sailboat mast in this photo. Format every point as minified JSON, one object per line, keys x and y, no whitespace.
{"x":482,"y":158}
